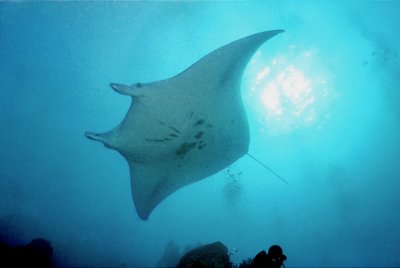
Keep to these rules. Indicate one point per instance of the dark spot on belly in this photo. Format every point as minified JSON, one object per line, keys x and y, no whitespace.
{"x":173,"y":135}
{"x":202,"y":144}
{"x":199,"y":135}
{"x":185,"y":148}
{"x":199,"y":122}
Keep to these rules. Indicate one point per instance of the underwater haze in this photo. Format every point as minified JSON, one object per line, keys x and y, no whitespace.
{"x":322,"y":100}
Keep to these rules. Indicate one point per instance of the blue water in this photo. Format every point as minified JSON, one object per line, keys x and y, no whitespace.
{"x":323,"y":105}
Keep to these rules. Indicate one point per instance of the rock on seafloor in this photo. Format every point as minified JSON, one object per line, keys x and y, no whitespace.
{"x":210,"y":255}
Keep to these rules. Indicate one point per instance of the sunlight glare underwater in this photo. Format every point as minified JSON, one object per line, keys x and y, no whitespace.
{"x":289,"y":91}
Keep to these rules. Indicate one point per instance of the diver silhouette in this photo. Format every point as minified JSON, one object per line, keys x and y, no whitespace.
{"x":274,"y":258}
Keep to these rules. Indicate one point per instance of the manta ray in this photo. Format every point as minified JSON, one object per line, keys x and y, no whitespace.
{"x":183,"y":129}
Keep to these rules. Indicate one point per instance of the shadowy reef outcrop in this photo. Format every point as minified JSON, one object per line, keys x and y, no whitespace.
{"x":215,"y":255}
{"x":37,"y":253}
{"x":210,"y":255}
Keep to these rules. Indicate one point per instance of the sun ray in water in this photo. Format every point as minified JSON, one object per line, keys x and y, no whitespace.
{"x":288,"y":92}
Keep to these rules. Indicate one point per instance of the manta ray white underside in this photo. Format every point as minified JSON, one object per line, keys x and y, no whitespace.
{"x":183,"y":129}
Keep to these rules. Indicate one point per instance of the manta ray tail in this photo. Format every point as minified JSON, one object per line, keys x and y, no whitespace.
{"x":268,"y":168}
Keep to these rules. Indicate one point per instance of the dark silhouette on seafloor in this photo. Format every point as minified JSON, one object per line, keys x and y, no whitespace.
{"x":37,"y":253}
{"x":273,"y":259}
{"x":216,"y":255}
